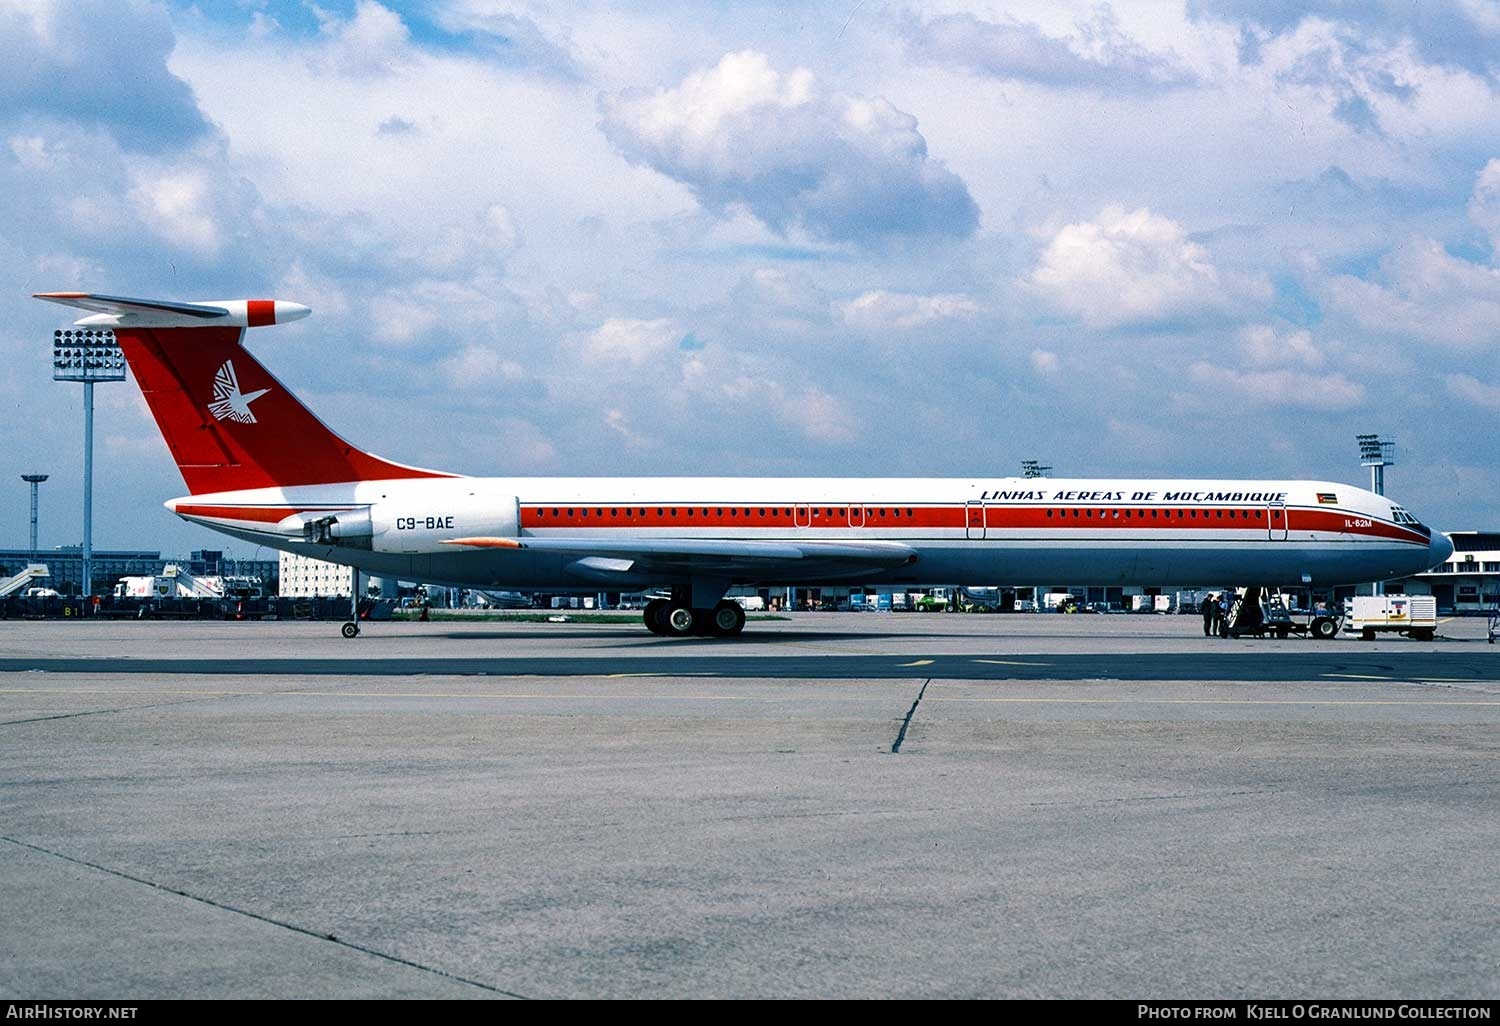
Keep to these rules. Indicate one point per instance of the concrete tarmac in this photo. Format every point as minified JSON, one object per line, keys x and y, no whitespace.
{"x":846,"y":805}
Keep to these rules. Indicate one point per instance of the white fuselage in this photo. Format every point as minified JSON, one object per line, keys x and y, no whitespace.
{"x":457,"y":530}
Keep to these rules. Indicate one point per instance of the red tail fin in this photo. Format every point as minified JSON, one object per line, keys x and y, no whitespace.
{"x":229,"y":423}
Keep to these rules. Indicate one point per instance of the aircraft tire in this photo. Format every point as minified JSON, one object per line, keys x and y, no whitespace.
{"x":727,"y":619}
{"x":652,"y":615}
{"x":678,"y":621}
{"x":350,"y":630}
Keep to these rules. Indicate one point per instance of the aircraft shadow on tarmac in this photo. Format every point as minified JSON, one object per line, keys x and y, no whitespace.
{"x":1472,"y":667}
{"x":636,"y":640}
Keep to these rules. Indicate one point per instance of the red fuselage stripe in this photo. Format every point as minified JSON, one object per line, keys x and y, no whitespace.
{"x":973,"y":518}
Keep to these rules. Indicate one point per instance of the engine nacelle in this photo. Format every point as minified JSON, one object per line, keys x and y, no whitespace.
{"x":414,"y":526}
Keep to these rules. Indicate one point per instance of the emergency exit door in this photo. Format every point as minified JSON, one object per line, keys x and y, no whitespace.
{"x":1276,"y":521}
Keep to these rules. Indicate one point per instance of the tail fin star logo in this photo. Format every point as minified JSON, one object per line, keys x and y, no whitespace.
{"x":229,"y":402}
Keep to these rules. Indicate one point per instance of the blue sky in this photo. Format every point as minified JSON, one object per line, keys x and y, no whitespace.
{"x":1210,"y":238}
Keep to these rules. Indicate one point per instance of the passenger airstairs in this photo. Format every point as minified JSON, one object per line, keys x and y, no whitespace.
{"x":1495,"y":621}
{"x":1262,"y":612}
{"x":186,"y":585}
{"x":11,"y":585}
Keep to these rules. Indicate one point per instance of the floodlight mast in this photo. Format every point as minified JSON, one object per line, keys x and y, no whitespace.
{"x":87,"y":355}
{"x":33,"y":480}
{"x":1377,"y":455}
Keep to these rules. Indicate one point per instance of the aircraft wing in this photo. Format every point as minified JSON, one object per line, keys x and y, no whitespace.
{"x":630,"y":559}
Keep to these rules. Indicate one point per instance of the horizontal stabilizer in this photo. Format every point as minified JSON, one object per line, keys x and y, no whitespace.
{"x":122,"y":312}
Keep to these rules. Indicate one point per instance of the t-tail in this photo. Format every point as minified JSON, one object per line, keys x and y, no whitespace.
{"x":229,"y":423}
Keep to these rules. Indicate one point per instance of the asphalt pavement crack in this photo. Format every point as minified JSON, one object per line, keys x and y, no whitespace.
{"x":900,"y":737}
{"x":292,"y":927}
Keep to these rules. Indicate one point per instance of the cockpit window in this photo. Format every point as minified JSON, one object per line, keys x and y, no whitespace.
{"x":1400,"y":516}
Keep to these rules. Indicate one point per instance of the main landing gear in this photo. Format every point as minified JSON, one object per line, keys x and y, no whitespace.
{"x":674,"y":618}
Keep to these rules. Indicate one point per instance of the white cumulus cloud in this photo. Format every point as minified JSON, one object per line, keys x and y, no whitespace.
{"x":1484,"y":205}
{"x":1472,"y":390}
{"x":622,"y":340}
{"x":1264,"y":346}
{"x":1044,"y":363}
{"x":373,"y":41}
{"x":742,"y":134}
{"x":902,"y":311}
{"x":178,"y":206}
{"x":1128,"y":267}
{"x":1103,"y":58}
{"x":477,"y":366}
{"x":1426,"y":294}
{"x":1279,"y":387}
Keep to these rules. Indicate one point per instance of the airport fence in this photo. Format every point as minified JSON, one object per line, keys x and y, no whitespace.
{"x":109,"y":607}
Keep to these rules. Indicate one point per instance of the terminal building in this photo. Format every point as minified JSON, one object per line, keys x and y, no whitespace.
{"x":1468,"y":583}
{"x":65,"y":565}
{"x":305,"y":577}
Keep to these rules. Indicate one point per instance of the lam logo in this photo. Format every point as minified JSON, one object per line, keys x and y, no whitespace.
{"x":229,"y":402}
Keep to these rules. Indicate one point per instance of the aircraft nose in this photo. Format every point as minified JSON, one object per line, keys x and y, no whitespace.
{"x":1439,"y":549}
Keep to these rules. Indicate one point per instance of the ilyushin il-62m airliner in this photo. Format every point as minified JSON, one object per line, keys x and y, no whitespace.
{"x":261,"y":467}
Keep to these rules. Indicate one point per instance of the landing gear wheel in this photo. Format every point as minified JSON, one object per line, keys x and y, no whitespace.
{"x":1324,"y":628}
{"x":728,"y":619}
{"x":350,"y":630}
{"x":678,"y":621}
{"x":654,"y":615}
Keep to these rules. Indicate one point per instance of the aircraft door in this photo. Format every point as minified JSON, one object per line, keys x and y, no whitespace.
{"x":801,"y":516}
{"x":856,"y":516}
{"x":1276,"y":521}
{"x":974,"y":519}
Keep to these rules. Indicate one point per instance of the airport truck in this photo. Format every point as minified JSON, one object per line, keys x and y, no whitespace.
{"x":1412,"y":615}
{"x":176,"y":582}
